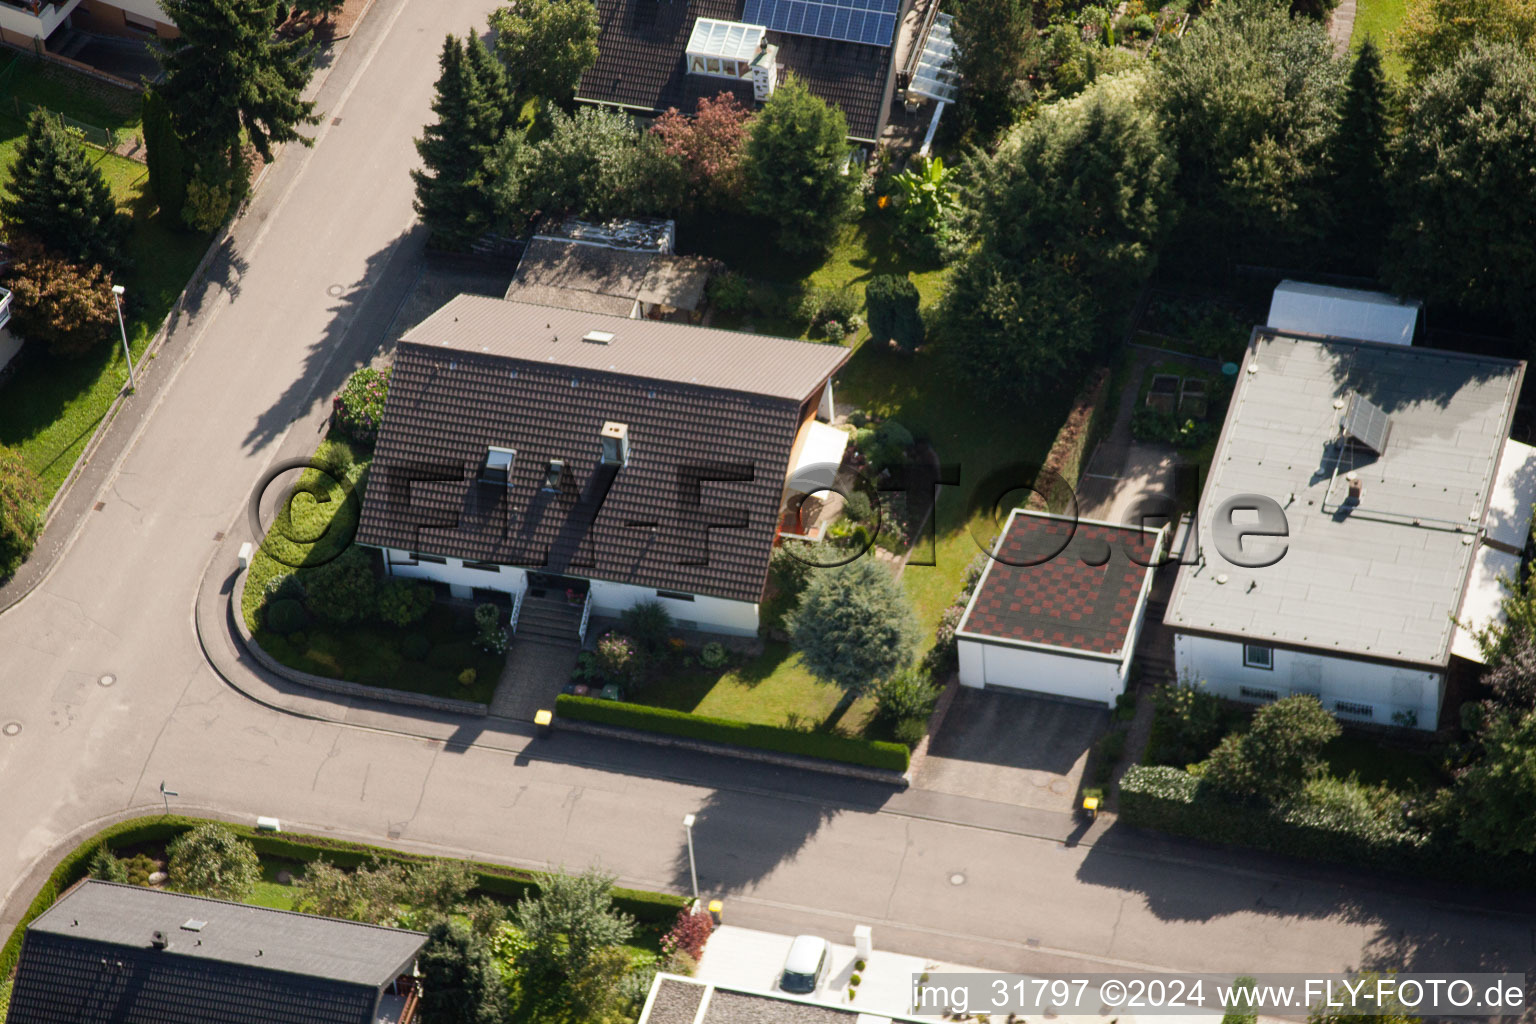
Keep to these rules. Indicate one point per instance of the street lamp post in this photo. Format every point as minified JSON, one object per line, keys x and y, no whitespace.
{"x":166,"y":795}
{"x":693,"y":871}
{"x":117,"y":300}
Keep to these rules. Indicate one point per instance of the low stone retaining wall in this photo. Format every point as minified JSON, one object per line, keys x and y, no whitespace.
{"x":341,"y":687}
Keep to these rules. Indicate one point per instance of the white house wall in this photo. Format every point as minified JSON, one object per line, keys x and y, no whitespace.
{"x":1037,"y":671}
{"x":712,"y":614}
{"x":22,"y":25}
{"x":461,"y":579}
{"x":1385,"y":689}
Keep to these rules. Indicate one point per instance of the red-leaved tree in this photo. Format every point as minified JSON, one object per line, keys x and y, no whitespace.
{"x":688,"y":934}
{"x":710,"y":145}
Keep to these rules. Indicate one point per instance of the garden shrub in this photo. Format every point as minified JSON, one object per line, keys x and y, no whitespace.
{"x":284,"y":616}
{"x":857,"y":506}
{"x":789,"y":571}
{"x":649,"y":624}
{"x":106,"y":867}
{"x":820,"y":306}
{"x":489,"y":634}
{"x":211,"y":860}
{"x":1187,"y":723}
{"x":23,"y":506}
{"x":730,"y":293}
{"x":289,"y":586}
{"x":832,"y":747}
{"x":467,"y":677}
{"x":892,"y":305}
{"x":910,"y":731}
{"x":616,"y":659}
{"x":343,"y":589}
{"x":906,"y":694}
{"x":943,"y":655}
{"x":139,"y":867}
{"x":1169,"y":428}
{"x":402,"y":602}
{"x":713,"y":655}
{"x":416,"y":646}
{"x":1281,"y":750}
{"x":358,"y":408}
{"x":688,"y":935}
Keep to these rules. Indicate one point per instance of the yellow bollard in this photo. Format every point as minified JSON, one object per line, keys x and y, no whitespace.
{"x":716,"y":910}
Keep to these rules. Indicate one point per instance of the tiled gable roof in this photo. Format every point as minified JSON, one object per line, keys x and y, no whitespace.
{"x":641,"y":43}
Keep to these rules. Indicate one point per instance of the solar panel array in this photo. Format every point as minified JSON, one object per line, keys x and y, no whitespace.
{"x":850,"y":21}
{"x":1366,"y":424}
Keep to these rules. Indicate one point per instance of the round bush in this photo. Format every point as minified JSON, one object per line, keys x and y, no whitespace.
{"x":212,"y":861}
{"x":487,"y":616}
{"x":22,"y":508}
{"x":416,"y":647}
{"x":402,"y":602}
{"x":649,"y":623}
{"x":356,"y":411}
{"x":285,"y":616}
{"x":713,"y":655}
{"x":467,"y":677}
{"x":288,"y":586}
{"x":911,"y":731}
{"x":343,"y":589}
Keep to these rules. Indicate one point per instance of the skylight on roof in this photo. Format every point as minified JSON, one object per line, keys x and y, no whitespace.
{"x":729,"y":39}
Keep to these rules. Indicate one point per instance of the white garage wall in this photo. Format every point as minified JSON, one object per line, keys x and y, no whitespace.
{"x":1038,"y":671}
{"x":1385,"y":689}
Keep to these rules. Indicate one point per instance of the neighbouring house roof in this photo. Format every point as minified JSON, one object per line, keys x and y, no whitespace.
{"x":1508,"y":530}
{"x":696,"y":402}
{"x":599,"y":279}
{"x":640,"y":63}
{"x":89,"y":958}
{"x":675,"y":1000}
{"x":1382,"y":579}
{"x":1303,"y":308}
{"x":1062,"y":583}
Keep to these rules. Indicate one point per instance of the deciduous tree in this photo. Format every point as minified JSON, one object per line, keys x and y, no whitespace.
{"x":567,"y":923}
{"x":55,"y":303}
{"x":796,"y":152}
{"x":546,"y":45}
{"x":1277,"y":755}
{"x":1436,"y":32}
{"x":1465,"y":187}
{"x":1247,"y":99}
{"x":1493,"y":794}
{"x":57,"y":196}
{"x":710,"y":145}
{"x":995,"y":49}
{"x":854,"y":626}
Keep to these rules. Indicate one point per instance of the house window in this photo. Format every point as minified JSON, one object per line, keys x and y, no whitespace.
{"x":713,"y":64}
{"x":1349,"y":707}
{"x":1255,"y":693}
{"x":672,"y":595}
{"x":139,"y":24}
{"x":483,"y":566}
{"x":1258,"y":656}
{"x":417,"y":556}
{"x":497,"y":468}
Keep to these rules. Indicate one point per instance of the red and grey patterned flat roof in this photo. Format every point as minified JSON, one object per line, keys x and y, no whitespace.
{"x":1058,"y":583}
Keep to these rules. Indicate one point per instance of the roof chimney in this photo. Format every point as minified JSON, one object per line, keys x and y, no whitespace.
{"x":1356,"y":488}
{"x":615,"y":440}
{"x":158,"y":940}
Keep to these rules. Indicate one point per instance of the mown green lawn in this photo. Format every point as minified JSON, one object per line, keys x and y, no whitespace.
{"x":51,"y":407}
{"x":1378,"y":19}
{"x":771,"y":689}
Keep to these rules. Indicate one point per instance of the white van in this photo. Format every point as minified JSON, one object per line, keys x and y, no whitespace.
{"x":810,"y":957}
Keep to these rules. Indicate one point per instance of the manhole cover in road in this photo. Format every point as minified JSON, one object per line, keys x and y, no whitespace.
{"x":106,"y":680}
{"x":11,"y":728}
{"x":334,"y":290}
{"x":957,"y":879}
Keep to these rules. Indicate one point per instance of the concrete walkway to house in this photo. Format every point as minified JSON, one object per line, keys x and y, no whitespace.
{"x":1342,"y":26}
{"x":1123,"y":473}
{"x":532,"y":679}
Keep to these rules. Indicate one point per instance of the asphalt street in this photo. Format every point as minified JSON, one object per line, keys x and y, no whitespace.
{"x":314,"y":272}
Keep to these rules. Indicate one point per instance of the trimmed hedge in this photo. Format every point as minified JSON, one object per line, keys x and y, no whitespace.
{"x":490,"y":879}
{"x":1172,"y":800}
{"x":827,"y":746}
{"x":1074,"y":441}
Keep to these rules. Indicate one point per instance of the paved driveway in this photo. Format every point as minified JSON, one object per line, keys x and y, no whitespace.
{"x":1012,"y":748}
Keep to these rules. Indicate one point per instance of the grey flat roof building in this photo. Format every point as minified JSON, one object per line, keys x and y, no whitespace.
{"x":94,"y":956}
{"x":1381,"y":576}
